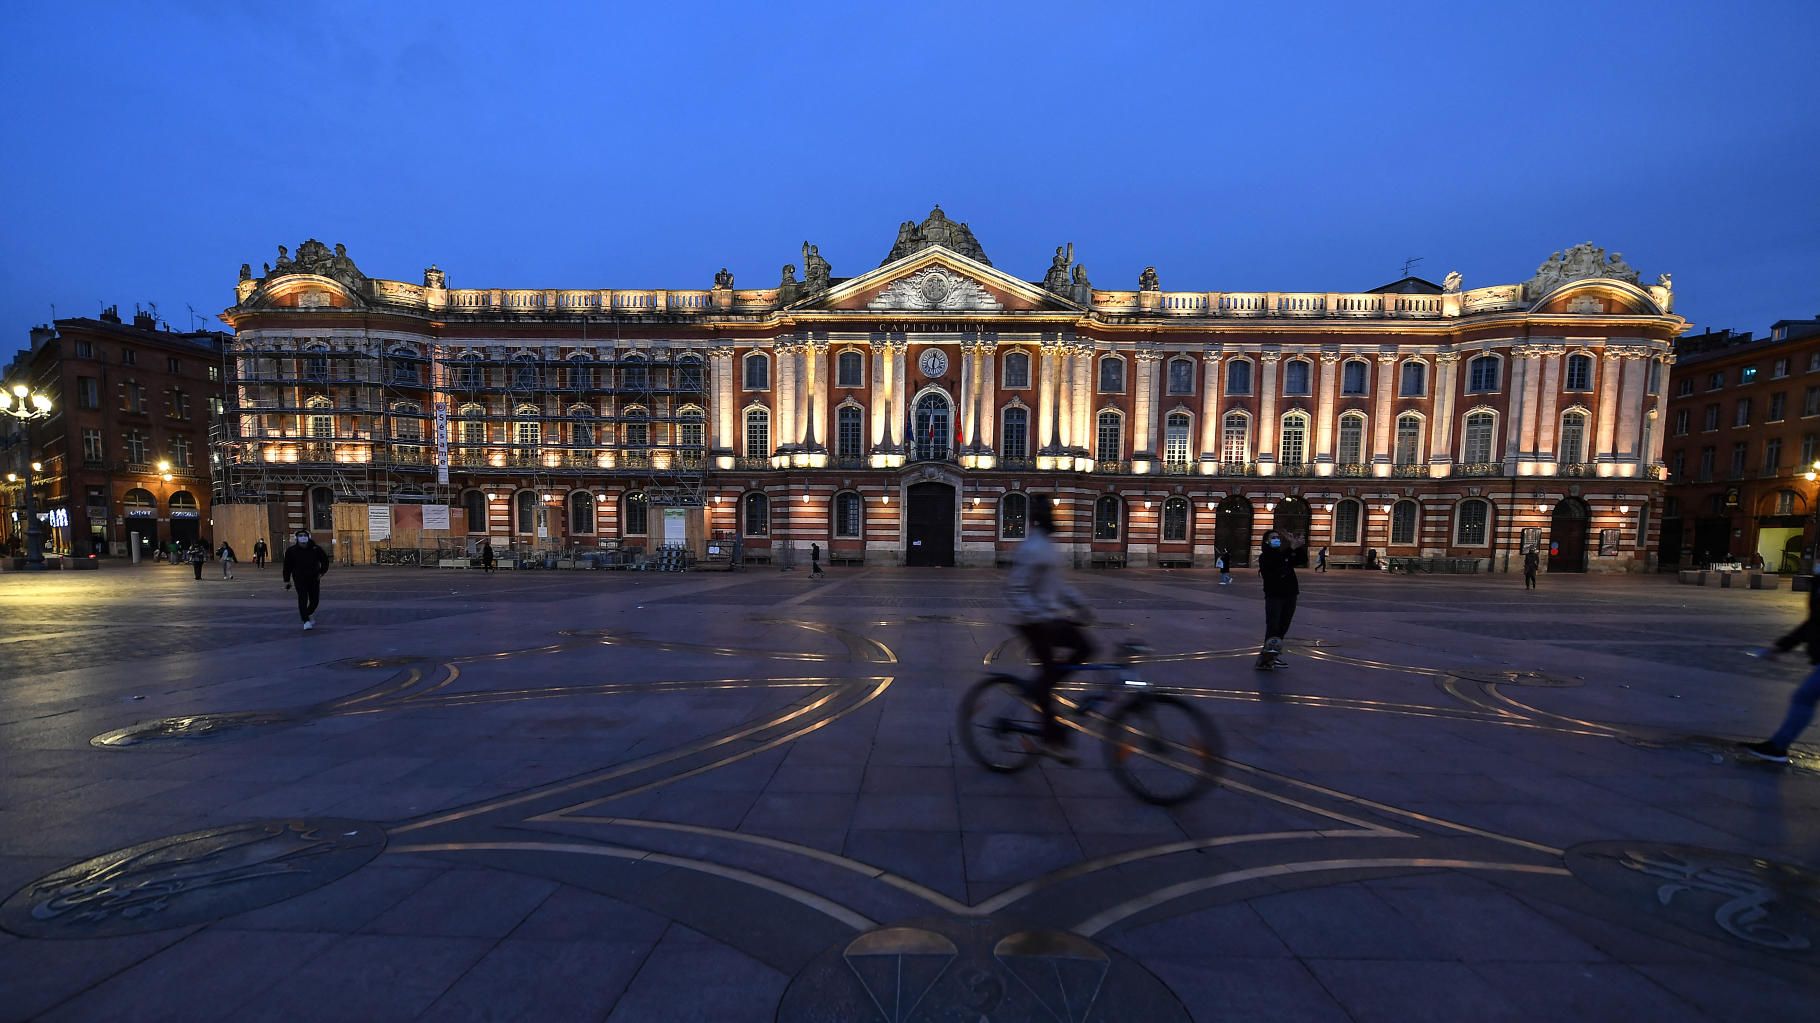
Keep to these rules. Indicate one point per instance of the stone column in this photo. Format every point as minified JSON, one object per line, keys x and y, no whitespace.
{"x":724,"y":388}
{"x":1654,"y":454}
{"x":1513,"y":417}
{"x":1532,"y":401}
{"x":1606,"y":419}
{"x":783,"y":389}
{"x":1324,"y":416}
{"x":1045,"y":427}
{"x":986,"y":415}
{"x":1440,"y":427}
{"x":815,"y":395}
{"x":964,"y":409}
{"x":1210,"y":409}
{"x":1385,"y":382}
{"x":1268,"y":426}
{"x":1548,"y":416}
{"x":1144,"y":407}
{"x":900,"y":384}
{"x":1082,"y":439}
{"x":879,"y":355}
{"x":1630,"y":406}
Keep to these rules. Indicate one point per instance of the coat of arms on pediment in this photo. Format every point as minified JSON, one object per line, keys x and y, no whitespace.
{"x":935,"y":288}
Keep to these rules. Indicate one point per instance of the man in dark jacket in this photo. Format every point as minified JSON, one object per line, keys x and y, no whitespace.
{"x":1276,"y":566}
{"x":1801,"y":705}
{"x":304,"y":564}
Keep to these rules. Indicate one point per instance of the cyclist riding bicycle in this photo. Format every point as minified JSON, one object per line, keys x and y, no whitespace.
{"x":1050,"y":614}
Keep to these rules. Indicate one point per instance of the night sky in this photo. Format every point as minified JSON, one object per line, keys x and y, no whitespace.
{"x":150,"y":149}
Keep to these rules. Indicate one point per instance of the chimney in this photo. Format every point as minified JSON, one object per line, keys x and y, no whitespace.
{"x":144,"y":320}
{"x":41,"y":335}
{"x":111,"y":314}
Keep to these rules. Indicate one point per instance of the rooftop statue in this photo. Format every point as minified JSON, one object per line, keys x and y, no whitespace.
{"x":1578,"y":263}
{"x":724,"y":279}
{"x":1147,"y":281}
{"x":1451,"y":283}
{"x":1056,"y":280}
{"x":815,"y":269}
{"x":936,"y":229}
{"x":313,"y":257}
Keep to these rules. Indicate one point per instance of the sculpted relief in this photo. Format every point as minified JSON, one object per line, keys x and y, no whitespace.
{"x":934,"y":288}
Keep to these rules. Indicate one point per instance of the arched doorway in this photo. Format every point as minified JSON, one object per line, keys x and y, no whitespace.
{"x":934,"y":428}
{"x":1232,"y":530}
{"x":929,"y":525}
{"x":1292,"y":516}
{"x":186,"y":521}
{"x":141,"y":520}
{"x":1567,"y":535}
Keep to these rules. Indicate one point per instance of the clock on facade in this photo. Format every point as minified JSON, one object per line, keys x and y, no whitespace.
{"x":934,"y":362}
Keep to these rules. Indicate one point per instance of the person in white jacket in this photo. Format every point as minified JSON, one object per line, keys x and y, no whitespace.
{"x":1050,"y":614}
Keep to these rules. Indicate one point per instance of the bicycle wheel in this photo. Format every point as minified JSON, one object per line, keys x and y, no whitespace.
{"x":999,"y":726}
{"x":1162,"y":748}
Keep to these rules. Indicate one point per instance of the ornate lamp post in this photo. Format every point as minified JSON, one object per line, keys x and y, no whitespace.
{"x":24,"y":404}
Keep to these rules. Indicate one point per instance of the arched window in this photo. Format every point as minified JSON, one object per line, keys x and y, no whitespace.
{"x":527,"y":435}
{"x":321,"y":421}
{"x":1414,"y":380}
{"x":579,"y":374}
{"x":1482,"y":374}
{"x":634,"y":514}
{"x":1175,"y":520}
{"x":472,"y":434}
{"x":755,"y":514}
{"x":1176,"y":426}
{"x":138,"y":498}
{"x":1238,"y":377}
{"x":634,"y":373}
{"x":1403,"y":523}
{"x":850,"y":369}
{"x":1573,"y":438}
{"x":183,"y":500}
{"x":1109,"y":442}
{"x":1014,"y":436}
{"x":475,"y":504}
{"x":1112,"y":375}
{"x":468,"y":374}
{"x":1346,"y":515}
{"x":1476,"y":447}
{"x":637,"y":428}
{"x":1352,"y":439}
{"x":1108,"y":515}
{"x":1409,"y":439}
{"x":1017,"y":370}
{"x":1293,"y":449}
{"x":316,"y":364}
{"x":849,"y":511}
{"x":407,"y":421}
{"x":581,"y":435}
{"x":689,"y":375}
{"x":850,"y":432}
{"x":758,"y":433}
{"x":1235,"y":439}
{"x":322,"y":509}
{"x":1181,"y":376}
{"x":1579,"y":372}
{"x":403,"y":367}
{"x":525,"y":375}
{"x":581,"y":512}
{"x":524,"y":513}
{"x":757,"y":372}
{"x":1013,"y":511}
{"x":691,"y":435}
{"x":934,"y":427}
{"x":1471,"y":523}
{"x":1296,"y":377}
{"x":1353,"y":376}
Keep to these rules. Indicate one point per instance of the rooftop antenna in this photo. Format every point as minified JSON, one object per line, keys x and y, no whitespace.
{"x":193,"y":316}
{"x":1410,"y":264}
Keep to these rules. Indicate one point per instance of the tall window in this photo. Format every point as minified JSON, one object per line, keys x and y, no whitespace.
{"x":1110,"y":437}
{"x":1175,"y":520}
{"x":1017,"y":369}
{"x":1014,"y":438}
{"x":578,"y":375}
{"x":322,"y":509}
{"x":1352,"y":439}
{"x":135,"y":447}
{"x":1353,"y":376}
{"x":758,"y":433}
{"x":1478,"y":437}
{"x":1579,"y":372}
{"x":634,"y":374}
{"x":847,"y":512}
{"x":1403,"y":522}
{"x":1112,"y":374}
{"x":581,"y":427}
{"x":1414,"y":380}
{"x":1778,"y":406}
{"x":849,"y":369}
{"x":755,"y":514}
{"x":524,"y":373}
{"x":88,"y":392}
{"x":1294,"y":447}
{"x":1482,"y":374}
{"x":689,"y":376}
{"x":1012,"y":513}
{"x":849,"y":430}
{"x":1296,"y":377}
{"x":92,"y":446}
{"x":1181,"y":376}
{"x":1740,"y":458}
{"x":524,"y":504}
{"x":1235,"y":438}
{"x":1107,"y":512}
{"x":1409,"y":439}
{"x":691,"y":435}
{"x":637,"y":427}
{"x":1472,"y":519}
{"x":1346,"y":522}
{"x":1175,"y":438}
{"x":1741,"y":415}
{"x":581,"y":512}
{"x":527,"y":432}
{"x":1238,"y":377}
{"x":635,"y":514}
{"x":475,"y":504}
{"x":1573,"y":438}
{"x":180,"y":452}
{"x":473,"y":432}
{"x":1772,"y":454}
{"x":1681,"y":419}
{"x":467,"y":372}
{"x":321,"y":425}
{"x":758,"y":372}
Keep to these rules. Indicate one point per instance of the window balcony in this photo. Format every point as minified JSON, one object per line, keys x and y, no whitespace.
{"x":847,"y":462}
{"x":584,"y":458}
{"x":1477,"y":469}
{"x":1015,"y":464}
{"x":1414,"y":471}
{"x":1352,"y":470}
{"x":751,"y":462}
{"x":1574,"y":469}
{"x":1294,"y":469}
{"x":1112,"y":467}
{"x":1237,"y":469}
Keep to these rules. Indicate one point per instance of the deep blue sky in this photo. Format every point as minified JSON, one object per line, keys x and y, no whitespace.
{"x":150,"y":149}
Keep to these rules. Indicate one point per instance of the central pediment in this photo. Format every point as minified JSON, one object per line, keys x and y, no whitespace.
{"x":936,"y":279}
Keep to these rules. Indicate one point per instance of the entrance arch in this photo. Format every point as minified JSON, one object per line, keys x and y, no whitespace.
{"x":929,"y":517}
{"x":1292,"y":516}
{"x":1567,"y":536}
{"x":1232,"y":530}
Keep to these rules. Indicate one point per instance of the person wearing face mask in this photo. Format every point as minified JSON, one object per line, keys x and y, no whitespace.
{"x":1807,"y":694}
{"x":1276,"y":566}
{"x":304,"y":565}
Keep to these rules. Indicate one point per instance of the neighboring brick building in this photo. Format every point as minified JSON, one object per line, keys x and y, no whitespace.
{"x":1743,"y":432}
{"x":126,"y":397}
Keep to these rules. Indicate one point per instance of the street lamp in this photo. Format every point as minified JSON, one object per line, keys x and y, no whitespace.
{"x":24,"y":405}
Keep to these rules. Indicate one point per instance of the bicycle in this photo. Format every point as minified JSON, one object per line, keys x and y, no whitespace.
{"x":1159,"y":746}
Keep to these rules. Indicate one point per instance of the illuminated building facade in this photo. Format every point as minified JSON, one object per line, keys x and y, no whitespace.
{"x":904,"y":415}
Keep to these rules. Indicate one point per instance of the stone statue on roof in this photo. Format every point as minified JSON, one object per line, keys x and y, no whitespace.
{"x":1147,"y":281}
{"x":1056,"y":280}
{"x":1451,"y":283}
{"x":723,"y":279}
{"x":936,"y":229}
{"x":816,"y":270}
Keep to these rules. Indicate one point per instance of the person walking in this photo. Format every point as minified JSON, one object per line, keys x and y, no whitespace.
{"x":1222,"y":560}
{"x":304,"y":565}
{"x":1276,"y":566}
{"x":196,"y":556}
{"x":1801,"y":705}
{"x":1532,"y":563}
{"x":1050,"y":614}
{"x":226,"y":554}
{"x":815,"y":561}
{"x":259,"y":553}
{"x":1320,"y":560}
{"x":486,"y":556}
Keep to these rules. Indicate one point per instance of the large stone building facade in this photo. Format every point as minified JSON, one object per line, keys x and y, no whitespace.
{"x":905,"y":414}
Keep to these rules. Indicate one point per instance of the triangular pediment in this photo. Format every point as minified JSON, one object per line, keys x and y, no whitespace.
{"x":937,"y":280}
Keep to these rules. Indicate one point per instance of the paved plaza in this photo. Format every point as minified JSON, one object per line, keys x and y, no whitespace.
{"x":605,"y":796}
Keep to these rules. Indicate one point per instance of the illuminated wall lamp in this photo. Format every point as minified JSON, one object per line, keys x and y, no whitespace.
{"x":1624,"y":509}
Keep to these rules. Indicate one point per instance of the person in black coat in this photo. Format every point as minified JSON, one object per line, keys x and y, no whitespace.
{"x":304,"y":565}
{"x":1801,"y":705}
{"x":1276,"y":567}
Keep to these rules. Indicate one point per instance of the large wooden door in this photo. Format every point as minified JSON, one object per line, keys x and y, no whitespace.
{"x":929,"y":525}
{"x":1232,"y":530}
{"x":1293,"y":516}
{"x":1567,"y":537}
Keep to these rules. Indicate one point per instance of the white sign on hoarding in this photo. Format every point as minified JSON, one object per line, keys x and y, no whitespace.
{"x":379,"y":522}
{"x":436,"y":516}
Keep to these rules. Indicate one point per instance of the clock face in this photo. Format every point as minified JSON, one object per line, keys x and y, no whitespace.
{"x":934,"y":362}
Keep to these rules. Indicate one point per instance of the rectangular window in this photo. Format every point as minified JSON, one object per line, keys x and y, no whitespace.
{"x":1181,"y":376}
{"x":180,"y":452}
{"x":1741,"y":415}
{"x":1740,"y":457}
{"x":1472,"y":523}
{"x":180,"y":405}
{"x":1352,"y":440}
{"x":1175,"y":439}
{"x":1017,"y":369}
{"x":1677,"y":465}
{"x":88,"y":392}
{"x":1810,"y":447}
{"x":133,"y":399}
{"x":1238,"y":377}
{"x":1778,"y":405}
{"x":1813,"y":362}
{"x":1681,"y":418}
{"x":1706,"y":463}
{"x":1014,"y":442}
{"x":91,"y":446}
{"x":1772,"y":455}
{"x":135,"y":447}
{"x":1711,"y":422}
{"x":1747,"y":375}
{"x":127,"y":358}
{"x":1110,"y":447}
{"x":1714,"y":381}
{"x":1235,"y":447}
{"x":1810,"y":402}
{"x":1686,"y":387}
{"x":758,"y":373}
{"x":173,"y":365}
{"x":1112,"y":376}
{"x":1346,"y":522}
{"x":758,"y":436}
{"x":1779,"y":369}
{"x":1293,"y":448}
{"x":848,"y":443}
{"x":849,"y":368}
{"x":1352,"y":378}
{"x":1409,"y":437}
{"x":85,"y":350}
{"x":215,"y":374}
